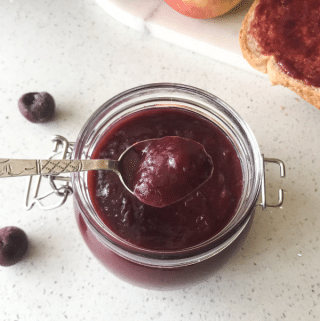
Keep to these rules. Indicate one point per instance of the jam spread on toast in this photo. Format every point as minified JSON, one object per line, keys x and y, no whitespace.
{"x":290,"y":31}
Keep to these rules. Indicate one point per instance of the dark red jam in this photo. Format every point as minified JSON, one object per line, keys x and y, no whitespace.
{"x":188,"y":222}
{"x":290,"y":30}
{"x":162,"y":171}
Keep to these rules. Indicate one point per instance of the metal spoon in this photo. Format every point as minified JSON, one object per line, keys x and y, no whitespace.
{"x":30,"y":167}
{"x":126,"y":166}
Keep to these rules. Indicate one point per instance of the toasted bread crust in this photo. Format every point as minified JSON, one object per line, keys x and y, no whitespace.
{"x":268,"y":65}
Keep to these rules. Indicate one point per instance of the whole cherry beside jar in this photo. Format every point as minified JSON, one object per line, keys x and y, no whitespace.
{"x":13,"y":245}
{"x":37,"y":107}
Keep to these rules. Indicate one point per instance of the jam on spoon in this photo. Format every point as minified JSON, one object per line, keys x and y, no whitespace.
{"x":163,"y":171}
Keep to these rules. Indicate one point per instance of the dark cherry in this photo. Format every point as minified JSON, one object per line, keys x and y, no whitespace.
{"x":37,"y":107}
{"x":13,"y":245}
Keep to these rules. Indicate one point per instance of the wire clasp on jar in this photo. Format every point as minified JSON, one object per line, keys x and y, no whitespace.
{"x":59,"y":184}
{"x":264,"y":204}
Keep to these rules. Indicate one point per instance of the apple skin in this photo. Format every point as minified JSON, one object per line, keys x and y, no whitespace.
{"x":202,"y":9}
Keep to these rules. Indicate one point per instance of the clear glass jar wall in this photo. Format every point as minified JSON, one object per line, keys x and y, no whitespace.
{"x":166,"y":268}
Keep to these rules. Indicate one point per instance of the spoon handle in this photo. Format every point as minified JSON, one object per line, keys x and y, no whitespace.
{"x":27,"y":167}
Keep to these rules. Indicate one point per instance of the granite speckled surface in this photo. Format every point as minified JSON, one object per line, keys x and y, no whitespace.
{"x":82,"y":56}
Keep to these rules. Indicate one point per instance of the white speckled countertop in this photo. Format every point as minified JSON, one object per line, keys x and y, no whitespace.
{"x":82,"y":56}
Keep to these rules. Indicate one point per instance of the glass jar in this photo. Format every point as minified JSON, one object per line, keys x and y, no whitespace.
{"x":167,"y":269}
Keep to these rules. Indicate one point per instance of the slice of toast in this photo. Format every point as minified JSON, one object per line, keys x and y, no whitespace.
{"x":268,"y":65}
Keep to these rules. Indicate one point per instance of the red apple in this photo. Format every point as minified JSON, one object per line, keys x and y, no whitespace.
{"x":202,"y":9}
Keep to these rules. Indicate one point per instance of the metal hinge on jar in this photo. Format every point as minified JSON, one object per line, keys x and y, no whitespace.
{"x":59,"y":185}
{"x":264,"y":204}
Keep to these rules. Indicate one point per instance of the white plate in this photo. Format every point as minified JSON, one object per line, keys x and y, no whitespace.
{"x":216,"y":38}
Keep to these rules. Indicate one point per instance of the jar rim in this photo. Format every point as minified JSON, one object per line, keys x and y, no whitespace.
{"x":195,"y":253}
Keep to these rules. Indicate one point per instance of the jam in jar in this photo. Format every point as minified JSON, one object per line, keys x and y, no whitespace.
{"x":187,"y":240}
